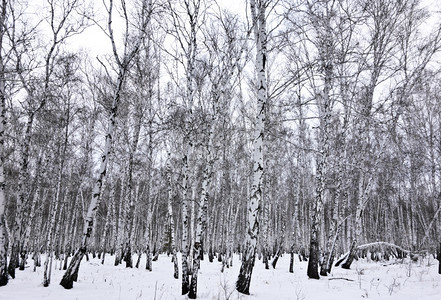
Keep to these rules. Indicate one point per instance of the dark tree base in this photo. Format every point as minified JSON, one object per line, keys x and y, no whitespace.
{"x":210,"y":255}
{"x":275,"y":260}
{"x":4,"y":272}
{"x":117,"y":260}
{"x":347,"y":264}
{"x":22,"y":263}
{"x":13,"y":263}
{"x":3,"y":279}
{"x":326,"y":267}
{"x":138,"y":261}
{"x":194,"y":274}
{"x":313,"y":261}
{"x":244,"y":280}
{"x":340,"y":261}
{"x":291,"y":262}
{"x":185,"y":286}
{"x":148,"y":264}
{"x":103,"y":258}
{"x":192,"y":293}
{"x":176,"y":267}
{"x":185,"y":276}
{"x":66,"y":257}
{"x":128,"y":258}
{"x":265,"y":259}
{"x":71,"y":274}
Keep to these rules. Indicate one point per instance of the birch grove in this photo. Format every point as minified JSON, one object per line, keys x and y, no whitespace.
{"x":207,"y":130}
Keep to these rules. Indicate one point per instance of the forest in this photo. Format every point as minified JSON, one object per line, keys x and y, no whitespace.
{"x":266,"y":129}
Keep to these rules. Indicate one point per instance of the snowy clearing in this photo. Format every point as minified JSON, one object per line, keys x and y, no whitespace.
{"x":372,"y":280}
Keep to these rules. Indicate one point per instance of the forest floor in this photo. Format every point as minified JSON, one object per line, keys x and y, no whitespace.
{"x":366,"y":279}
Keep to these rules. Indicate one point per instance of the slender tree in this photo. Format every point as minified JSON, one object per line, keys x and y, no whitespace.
{"x":123,"y":67}
{"x":258,"y":15}
{"x":3,"y":242}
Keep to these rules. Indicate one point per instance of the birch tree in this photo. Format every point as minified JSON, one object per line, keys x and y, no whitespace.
{"x":186,"y":18}
{"x":3,"y":241}
{"x":65,"y":21}
{"x":68,"y":67}
{"x":123,"y":63}
{"x":385,"y":18}
{"x":258,"y":16}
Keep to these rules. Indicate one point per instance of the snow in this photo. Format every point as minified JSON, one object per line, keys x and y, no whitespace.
{"x":373,"y":280}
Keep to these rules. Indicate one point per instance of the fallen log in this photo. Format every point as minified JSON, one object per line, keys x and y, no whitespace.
{"x":369,"y":245}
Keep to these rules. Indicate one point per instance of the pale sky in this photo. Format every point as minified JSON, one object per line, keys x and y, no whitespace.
{"x":95,"y":42}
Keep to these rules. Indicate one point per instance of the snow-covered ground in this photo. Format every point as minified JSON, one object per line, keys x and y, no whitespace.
{"x":382,"y":280}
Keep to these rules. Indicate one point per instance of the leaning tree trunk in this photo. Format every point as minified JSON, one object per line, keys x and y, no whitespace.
{"x":72,"y":271}
{"x":334,"y":231}
{"x":256,"y":192}
{"x":50,"y":237}
{"x":52,"y":225}
{"x":123,"y":65}
{"x":280,"y":249}
{"x":362,"y":201}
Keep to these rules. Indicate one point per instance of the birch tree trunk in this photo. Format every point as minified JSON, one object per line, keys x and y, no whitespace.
{"x":28,"y":227}
{"x":110,"y":209}
{"x":23,"y":174}
{"x":119,"y":254}
{"x":72,"y":271}
{"x":334,"y":230}
{"x":326,"y":65}
{"x":148,"y":235}
{"x":197,"y":247}
{"x":256,"y":192}
{"x":60,"y":30}
{"x":52,"y":224}
{"x":193,"y":9}
{"x":171,"y":228}
{"x":185,"y":244}
{"x":3,"y":242}
{"x":123,"y":66}
{"x":129,"y":199}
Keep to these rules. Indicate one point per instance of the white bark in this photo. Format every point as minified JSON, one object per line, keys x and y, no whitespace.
{"x":256,"y":192}
{"x":197,"y":246}
{"x":123,"y":66}
{"x":3,"y":242}
{"x":171,"y":228}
